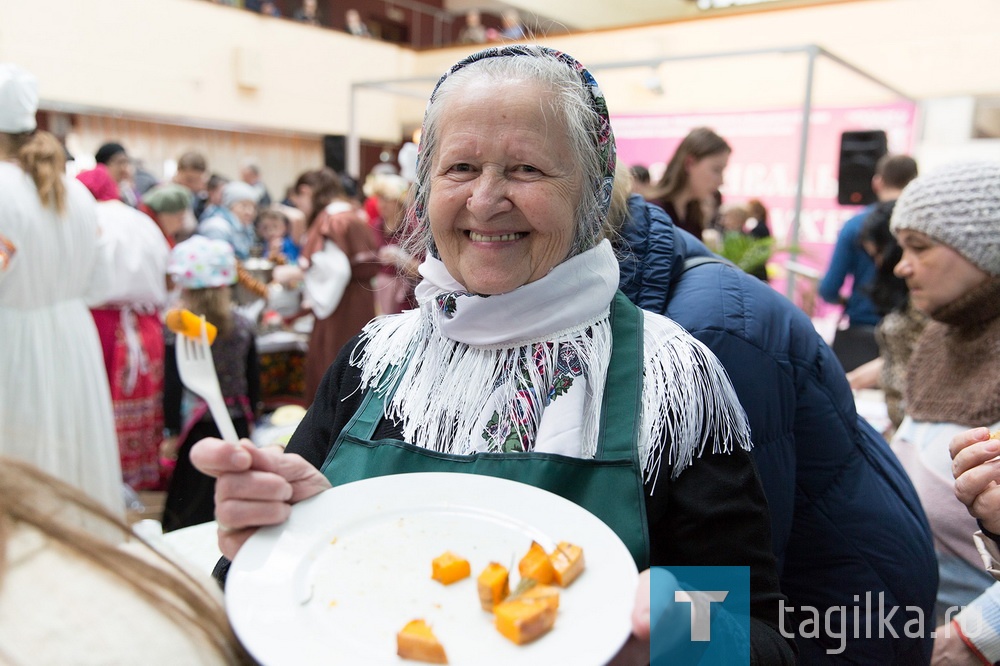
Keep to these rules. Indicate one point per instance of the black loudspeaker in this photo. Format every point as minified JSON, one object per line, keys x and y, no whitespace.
{"x":335,"y":152}
{"x":859,"y":153}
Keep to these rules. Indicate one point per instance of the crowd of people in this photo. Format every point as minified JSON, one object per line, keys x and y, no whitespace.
{"x":149,"y":246}
{"x":509,"y":27}
{"x":527,"y":308}
{"x":919,"y":324}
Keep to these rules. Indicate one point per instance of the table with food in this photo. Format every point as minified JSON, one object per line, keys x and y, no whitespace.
{"x":271,"y":295}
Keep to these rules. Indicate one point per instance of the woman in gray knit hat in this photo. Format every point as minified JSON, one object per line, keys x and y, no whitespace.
{"x":948,"y":224}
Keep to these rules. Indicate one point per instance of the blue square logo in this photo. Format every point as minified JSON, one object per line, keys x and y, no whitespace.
{"x":700,"y":616}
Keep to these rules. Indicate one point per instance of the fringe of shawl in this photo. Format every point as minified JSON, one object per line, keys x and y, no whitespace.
{"x":448,"y":390}
{"x":687,"y":401}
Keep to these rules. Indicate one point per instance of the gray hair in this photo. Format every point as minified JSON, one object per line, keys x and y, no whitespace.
{"x":570,"y":102}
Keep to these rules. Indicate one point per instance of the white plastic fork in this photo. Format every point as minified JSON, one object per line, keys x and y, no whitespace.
{"x":197,"y":370}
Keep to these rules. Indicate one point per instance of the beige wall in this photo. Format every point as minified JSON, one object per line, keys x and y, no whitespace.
{"x":926,"y":48}
{"x":191,"y":60}
{"x":218,"y":66}
{"x":195,"y":63}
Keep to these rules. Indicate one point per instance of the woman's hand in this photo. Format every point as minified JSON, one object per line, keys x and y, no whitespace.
{"x":287,"y":275}
{"x":977,"y":472}
{"x":636,"y":649}
{"x":866,"y":376}
{"x":660,"y":615}
{"x":254,"y":487}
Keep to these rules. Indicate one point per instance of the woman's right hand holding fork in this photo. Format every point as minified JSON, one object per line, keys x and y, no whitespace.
{"x":254,"y":486}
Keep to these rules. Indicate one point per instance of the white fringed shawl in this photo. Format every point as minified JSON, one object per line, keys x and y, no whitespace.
{"x":525,"y":370}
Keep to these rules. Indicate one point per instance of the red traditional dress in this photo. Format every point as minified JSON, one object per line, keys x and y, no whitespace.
{"x":129,"y":290}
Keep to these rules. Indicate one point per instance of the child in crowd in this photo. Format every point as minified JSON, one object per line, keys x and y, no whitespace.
{"x":733,"y":218}
{"x":273,"y":230}
{"x":213,"y":203}
{"x":205,"y":269}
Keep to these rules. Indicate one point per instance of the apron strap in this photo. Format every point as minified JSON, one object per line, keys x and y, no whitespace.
{"x":362,"y":425}
{"x":622,"y":405}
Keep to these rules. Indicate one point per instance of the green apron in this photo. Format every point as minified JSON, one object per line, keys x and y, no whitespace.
{"x":609,"y":486}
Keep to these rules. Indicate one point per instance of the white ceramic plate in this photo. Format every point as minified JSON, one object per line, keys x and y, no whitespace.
{"x":351,"y":566}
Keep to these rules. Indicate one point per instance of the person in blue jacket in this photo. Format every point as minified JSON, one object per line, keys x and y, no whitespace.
{"x":855,"y":345}
{"x":847,"y":526}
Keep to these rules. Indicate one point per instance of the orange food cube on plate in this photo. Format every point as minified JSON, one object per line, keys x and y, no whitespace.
{"x":494,"y":585}
{"x":522,"y":620}
{"x":536,"y":565}
{"x":449,"y":567}
{"x":417,"y":642}
{"x":544,"y":593}
{"x":567,"y":563}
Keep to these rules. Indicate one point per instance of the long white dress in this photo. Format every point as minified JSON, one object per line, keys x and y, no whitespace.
{"x":55,"y":404}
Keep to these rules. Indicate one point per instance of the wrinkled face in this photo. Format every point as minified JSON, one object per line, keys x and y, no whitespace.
{"x":935,"y":273}
{"x":245,"y":211}
{"x":504,"y":187}
{"x":705,"y":175}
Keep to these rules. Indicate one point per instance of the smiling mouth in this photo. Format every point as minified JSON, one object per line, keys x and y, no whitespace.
{"x":482,"y":238}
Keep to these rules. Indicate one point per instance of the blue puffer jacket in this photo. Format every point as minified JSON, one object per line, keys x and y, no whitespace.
{"x":846,"y":520}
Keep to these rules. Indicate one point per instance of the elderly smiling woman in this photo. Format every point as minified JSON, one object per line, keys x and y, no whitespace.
{"x":522,"y":361}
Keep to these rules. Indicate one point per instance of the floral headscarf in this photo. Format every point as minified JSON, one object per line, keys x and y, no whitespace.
{"x":605,"y":140}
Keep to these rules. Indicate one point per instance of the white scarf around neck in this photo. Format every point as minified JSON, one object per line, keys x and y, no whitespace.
{"x":526,"y":370}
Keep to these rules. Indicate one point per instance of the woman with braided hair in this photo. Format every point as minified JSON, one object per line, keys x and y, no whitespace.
{"x":55,"y":403}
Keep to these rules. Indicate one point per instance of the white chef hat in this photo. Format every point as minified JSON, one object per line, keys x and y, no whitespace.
{"x":18,"y":99}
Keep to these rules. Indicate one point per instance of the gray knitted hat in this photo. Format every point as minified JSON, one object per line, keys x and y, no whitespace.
{"x":958,"y":205}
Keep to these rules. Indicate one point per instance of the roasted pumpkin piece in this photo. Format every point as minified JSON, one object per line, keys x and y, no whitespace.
{"x":544,"y":593}
{"x":417,"y":642}
{"x":536,"y":565}
{"x":567,"y":563}
{"x":449,"y":567}
{"x":185,"y":322}
{"x":494,"y":585}
{"x":522,"y":620}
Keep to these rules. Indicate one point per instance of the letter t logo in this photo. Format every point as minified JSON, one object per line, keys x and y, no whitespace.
{"x":701,"y":611}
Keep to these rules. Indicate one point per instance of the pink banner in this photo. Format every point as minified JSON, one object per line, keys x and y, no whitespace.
{"x":764,"y":163}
